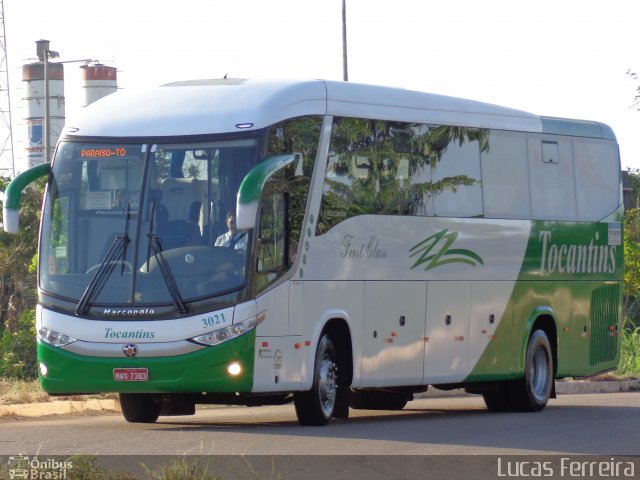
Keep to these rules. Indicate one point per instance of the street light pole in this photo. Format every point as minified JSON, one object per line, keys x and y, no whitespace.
{"x":44,"y":55}
{"x":345,"y":73}
{"x":47,"y":113}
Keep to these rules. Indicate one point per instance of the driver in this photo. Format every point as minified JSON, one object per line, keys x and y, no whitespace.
{"x":233,"y":238}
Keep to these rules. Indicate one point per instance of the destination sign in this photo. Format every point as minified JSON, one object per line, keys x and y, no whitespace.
{"x":103,"y":152}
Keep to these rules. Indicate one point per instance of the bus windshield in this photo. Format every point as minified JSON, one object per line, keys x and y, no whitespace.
{"x":144,"y":224}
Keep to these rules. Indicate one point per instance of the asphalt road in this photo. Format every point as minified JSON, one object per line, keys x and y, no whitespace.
{"x":605,"y":424}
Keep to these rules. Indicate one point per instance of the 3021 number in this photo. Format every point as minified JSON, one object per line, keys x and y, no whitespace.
{"x":213,"y":320}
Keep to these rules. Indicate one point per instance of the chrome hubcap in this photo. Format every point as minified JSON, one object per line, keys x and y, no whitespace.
{"x":327,"y":385}
{"x":539,"y":374}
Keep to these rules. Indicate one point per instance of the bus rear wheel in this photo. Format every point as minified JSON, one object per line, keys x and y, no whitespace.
{"x":317,"y":406}
{"x":140,"y":407}
{"x":498,"y":399}
{"x":532,"y":392}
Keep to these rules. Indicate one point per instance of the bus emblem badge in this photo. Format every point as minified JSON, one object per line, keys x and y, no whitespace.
{"x":130,"y":350}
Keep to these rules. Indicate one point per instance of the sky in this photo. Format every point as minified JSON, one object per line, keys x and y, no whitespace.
{"x":564,"y":58}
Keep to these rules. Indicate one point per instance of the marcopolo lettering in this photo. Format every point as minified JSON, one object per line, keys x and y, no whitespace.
{"x":571,"y":258}
{"x":128,"y":334}
{"x":127,"y":312}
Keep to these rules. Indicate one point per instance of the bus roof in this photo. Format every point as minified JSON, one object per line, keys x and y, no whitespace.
{"x":199,"y":107}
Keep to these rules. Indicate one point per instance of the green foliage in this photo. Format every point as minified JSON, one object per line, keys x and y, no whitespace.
{"x":630,"y":348}
{"x":17,"y":272}
{"x":632,"y":253}
{"x":18,"y":348}
{"x":629,"y":365}
{"x":18,"y":287}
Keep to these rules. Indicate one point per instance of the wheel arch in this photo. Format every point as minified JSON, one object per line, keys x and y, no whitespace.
{"x":338,"y":325}
{"x":338,"y":330}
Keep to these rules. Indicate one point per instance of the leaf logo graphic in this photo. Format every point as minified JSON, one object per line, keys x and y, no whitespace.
{"x":443,"y":254}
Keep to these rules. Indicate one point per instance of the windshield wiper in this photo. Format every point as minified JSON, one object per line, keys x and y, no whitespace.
{"x":156,"y":247}
{"x":117,"y":253}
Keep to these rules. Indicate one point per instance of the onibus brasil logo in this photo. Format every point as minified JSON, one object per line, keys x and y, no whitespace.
{"x":435,"y":251}
{"x":22,"y":466}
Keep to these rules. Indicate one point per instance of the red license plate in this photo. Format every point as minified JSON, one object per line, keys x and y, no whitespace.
{"x":130,"y":374}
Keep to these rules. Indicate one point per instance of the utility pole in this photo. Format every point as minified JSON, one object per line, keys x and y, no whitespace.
{"x":345,"y":73}
{"x":7,"y":162}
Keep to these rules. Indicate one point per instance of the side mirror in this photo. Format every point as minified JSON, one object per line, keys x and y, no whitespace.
{"x":251,"y":188}
{"x":13,"y":194}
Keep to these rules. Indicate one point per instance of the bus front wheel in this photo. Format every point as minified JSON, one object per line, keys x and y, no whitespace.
{"x":139,"y":407}
{"x":317,"y":406}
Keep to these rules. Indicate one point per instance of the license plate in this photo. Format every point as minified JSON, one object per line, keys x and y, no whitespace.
{"x":130,"y":374}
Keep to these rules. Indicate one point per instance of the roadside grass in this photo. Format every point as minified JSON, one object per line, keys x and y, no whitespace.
{"x":181,"y":469}
{"x":13,"y":392}
{"x":629,"y":365}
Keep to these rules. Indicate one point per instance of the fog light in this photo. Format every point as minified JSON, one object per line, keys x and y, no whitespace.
{"x":234,"y":369}
{"x":43,"y":369}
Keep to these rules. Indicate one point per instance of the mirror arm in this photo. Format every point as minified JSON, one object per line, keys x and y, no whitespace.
{"x":13,"y":194}
{"x":251,"y":188}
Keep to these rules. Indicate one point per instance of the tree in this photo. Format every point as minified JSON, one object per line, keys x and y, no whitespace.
{"x":17,"y":259}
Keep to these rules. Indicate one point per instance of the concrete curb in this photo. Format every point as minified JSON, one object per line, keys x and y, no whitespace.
{"x":69,"y":407}
{"x":64,"y":407}
{"x":596,"y":386}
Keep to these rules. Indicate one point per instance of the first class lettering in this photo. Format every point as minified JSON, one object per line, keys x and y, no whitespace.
{"x":103,"y":152}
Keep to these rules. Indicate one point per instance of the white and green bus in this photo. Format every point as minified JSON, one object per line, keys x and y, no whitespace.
{"x":387,"y":240}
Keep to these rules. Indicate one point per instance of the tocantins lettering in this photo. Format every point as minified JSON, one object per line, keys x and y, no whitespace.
{"x":128,"y":334}
{"x":570,"y":258}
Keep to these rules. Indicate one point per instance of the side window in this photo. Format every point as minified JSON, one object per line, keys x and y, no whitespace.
{"x":58,"y":245}
{"x":551,"y":177}
{"x":272,"y":242}
{"x":597,"y":178}
{"x":299,"y":136}
{"x":393,"y":168}
{"x":505,"y":176}
{"x":367,"y":172}
{"x":456,"y":187}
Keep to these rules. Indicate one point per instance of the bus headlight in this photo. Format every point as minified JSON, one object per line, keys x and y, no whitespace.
{"x":225,"y":334}
{"x":54,"y":338}
{"x":234,"y":369}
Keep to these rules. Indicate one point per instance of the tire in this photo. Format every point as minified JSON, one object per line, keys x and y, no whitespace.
{"x":139,"y":407}
{"x":317,"y":406}
{"x":499,"y":398}
{"x":531,"y":393}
